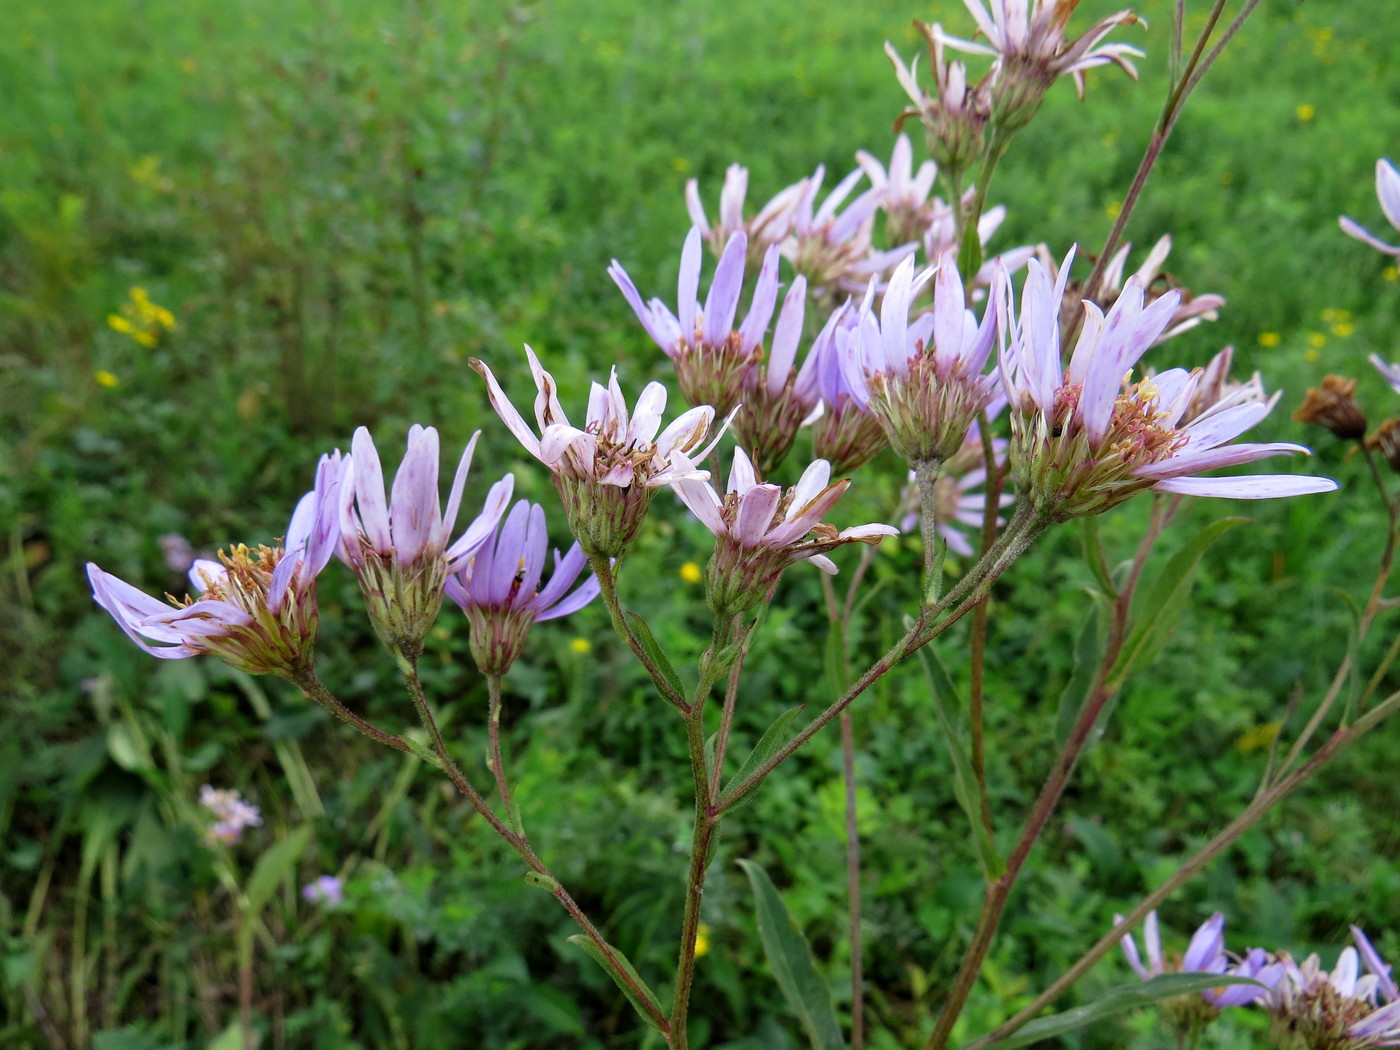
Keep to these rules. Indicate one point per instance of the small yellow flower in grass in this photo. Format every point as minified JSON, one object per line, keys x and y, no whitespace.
{"x":691,"y":573}
{"x":680,"y":164}
{"x":1317,"y":340}
{"x":1112,"y":208}
{"x":1270,"y":339}
{"x":581,"y":646}
{"x":1391,"y":273}
{"x":1332,"y":315}
{"x":1305,"y":112}
{"x":1342,"y":329}
{"x":105,"y":378}
{"x":141,"y":319}
{"x":1258,"y":738}
{"x":1312,"y":355}
{"x":702,"y":940}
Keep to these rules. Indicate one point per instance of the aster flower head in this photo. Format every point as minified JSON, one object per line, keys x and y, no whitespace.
{"x":1313,"y":1009}
{"x":608,"y":471}
{"x":925,"y":379}
{"x":831,"y":247}
{"x":232,"y":815}
{"x":257,"y":611}
{"x":904,"y":194}
{"x":955,"y":116}
{"x":1027,"y":40}
{"x":499,"y":588}
{"x":760,"y":530}
{"x":766,"y":228}
{"x":776,"y":399}
{"x":324,"y":890}
{"x":845,"y":433}
{"x":1085,"y":438}
{"x":712,"y":356}
{"x":398,"y":547}
{"x":1388,"y":190}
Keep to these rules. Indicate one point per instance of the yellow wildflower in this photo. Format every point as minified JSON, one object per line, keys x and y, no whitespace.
{"x":1305,"y":112}
{"x":580,"y":646}
{"x":690,"y":573}
{"x":702,"y":940}
{"x":1270,"y":339}
{"x":105,"y":378}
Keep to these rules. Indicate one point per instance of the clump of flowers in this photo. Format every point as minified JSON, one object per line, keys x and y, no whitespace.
{"x":232,"y":815}
{"x":499,"y":588}
{"x":142,"y":320}
{"x":1314,"y":1009}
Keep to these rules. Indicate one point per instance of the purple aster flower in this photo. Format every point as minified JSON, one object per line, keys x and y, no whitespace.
{"x":1389,"y":372}
{"x":398,"y":547}
{"x":711,"y":356}
{"x":942,"y":239}
{"x":905,"y":196}
{"x":767,"y":228}
{"x":845,"y":433}
{"x":1027,"y":40}
{"x":832,"y":248}
{"x":1388,"y":190}
{"x":925,"y":380}
{"x":258,"y":608}
{"x":1084,"y":438}
{"x":1340,"y":1010}
{"x":761,"y":530}
{"x":231,"y":816}
{"x":955,"y":119}
{"x":499,"y":589}
{"x":325,"y":890}
{"x":608,"y":471}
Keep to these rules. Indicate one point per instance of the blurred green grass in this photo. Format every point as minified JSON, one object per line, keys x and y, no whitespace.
{"x":341,"y":204}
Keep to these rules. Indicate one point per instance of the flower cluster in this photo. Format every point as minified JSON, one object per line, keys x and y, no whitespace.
{"x":231,"y":815}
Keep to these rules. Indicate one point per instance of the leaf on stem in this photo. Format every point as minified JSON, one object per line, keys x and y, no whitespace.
{"x":964,"y":779}
{"x":273,"y":866}
{"x":1115,"y":1001}
{"x":793,"y":966}
{"x":655,"y":653}
{"x":641,"y":997}
{"x":772,"y":741}
{"x":1156,"y":613}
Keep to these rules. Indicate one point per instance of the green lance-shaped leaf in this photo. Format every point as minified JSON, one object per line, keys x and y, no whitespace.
{"x":964,"y":778}
{"x":1115,"y":1001}
{"x":793,"y":966}
{"x":273,"y":866}
{"x":768,"y":745}
{"x":655,"y":653}
{"x":641,"y":997}
{"x":1156,"y":612}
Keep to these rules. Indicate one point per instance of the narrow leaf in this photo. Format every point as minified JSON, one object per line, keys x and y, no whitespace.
{"x":1093,"y":554}
{"x":1156,"y":612}
{"x":793,"y":966}
{"x":772,"y":741}
{"x":641,"y":997}
{"x":1115,"y":1001}
{"x":655,"y":653}
{"x":965,"y":789}
{"x":275,"y":865}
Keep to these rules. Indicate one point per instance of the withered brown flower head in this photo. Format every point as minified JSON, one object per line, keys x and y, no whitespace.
{"x":1334,"y":406}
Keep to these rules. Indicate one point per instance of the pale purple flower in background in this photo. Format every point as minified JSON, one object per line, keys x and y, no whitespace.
{"x":324,"y":890}
{"x":607,"y":471}
{"x":942,"y":239}
{"x":1216,"y":384}
{"x":832,"y":248}
{"x":1389,"y":372}
{"x":712,"y":356}
{"x":957,"y":499}
{"x":1388,"y":190}
{"x":178,"y":553}
{"x":1027,"y":40}
{"x":258,"y":609}
{"x":1084,"y":438}
{"x":761,"y":529}
{"x":905,"y":196}
{"x":768,"y":227}
{"x":399,"y":547}
{"x":499,"y":588}
{"x":1204,"y":954}
{"x":845,"y":433}
{"x":231,"y":815}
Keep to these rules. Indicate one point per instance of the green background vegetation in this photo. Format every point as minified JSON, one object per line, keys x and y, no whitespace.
{"x":342,"y":203}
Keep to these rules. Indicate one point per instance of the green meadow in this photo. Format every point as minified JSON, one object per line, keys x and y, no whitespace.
{"x":341,"y":204}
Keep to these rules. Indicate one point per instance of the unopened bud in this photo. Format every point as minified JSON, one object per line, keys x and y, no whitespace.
{"x":1334,"y":406}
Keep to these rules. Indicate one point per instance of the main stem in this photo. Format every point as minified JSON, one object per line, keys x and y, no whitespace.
{"x":607,"y":583}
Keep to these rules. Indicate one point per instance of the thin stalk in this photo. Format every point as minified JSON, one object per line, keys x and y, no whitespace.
{"x":607,"y":583}
{"x":926,"y":477}
{"x":999,"y":892}
{"x":705,"y":826}
{"x":493,"y":688}
{"x":245,"y":976}
{"x":726,"y":722}
{"x":1261,"y":804}
{"x":978,"y":648}
{"x":315,"y":690}
{"x":848,"y":771}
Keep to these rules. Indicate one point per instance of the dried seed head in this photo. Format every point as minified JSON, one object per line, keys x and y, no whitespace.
{"x":1334,"y":406}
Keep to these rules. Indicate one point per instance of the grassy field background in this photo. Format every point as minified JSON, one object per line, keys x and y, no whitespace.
{"x":340,"y":204}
